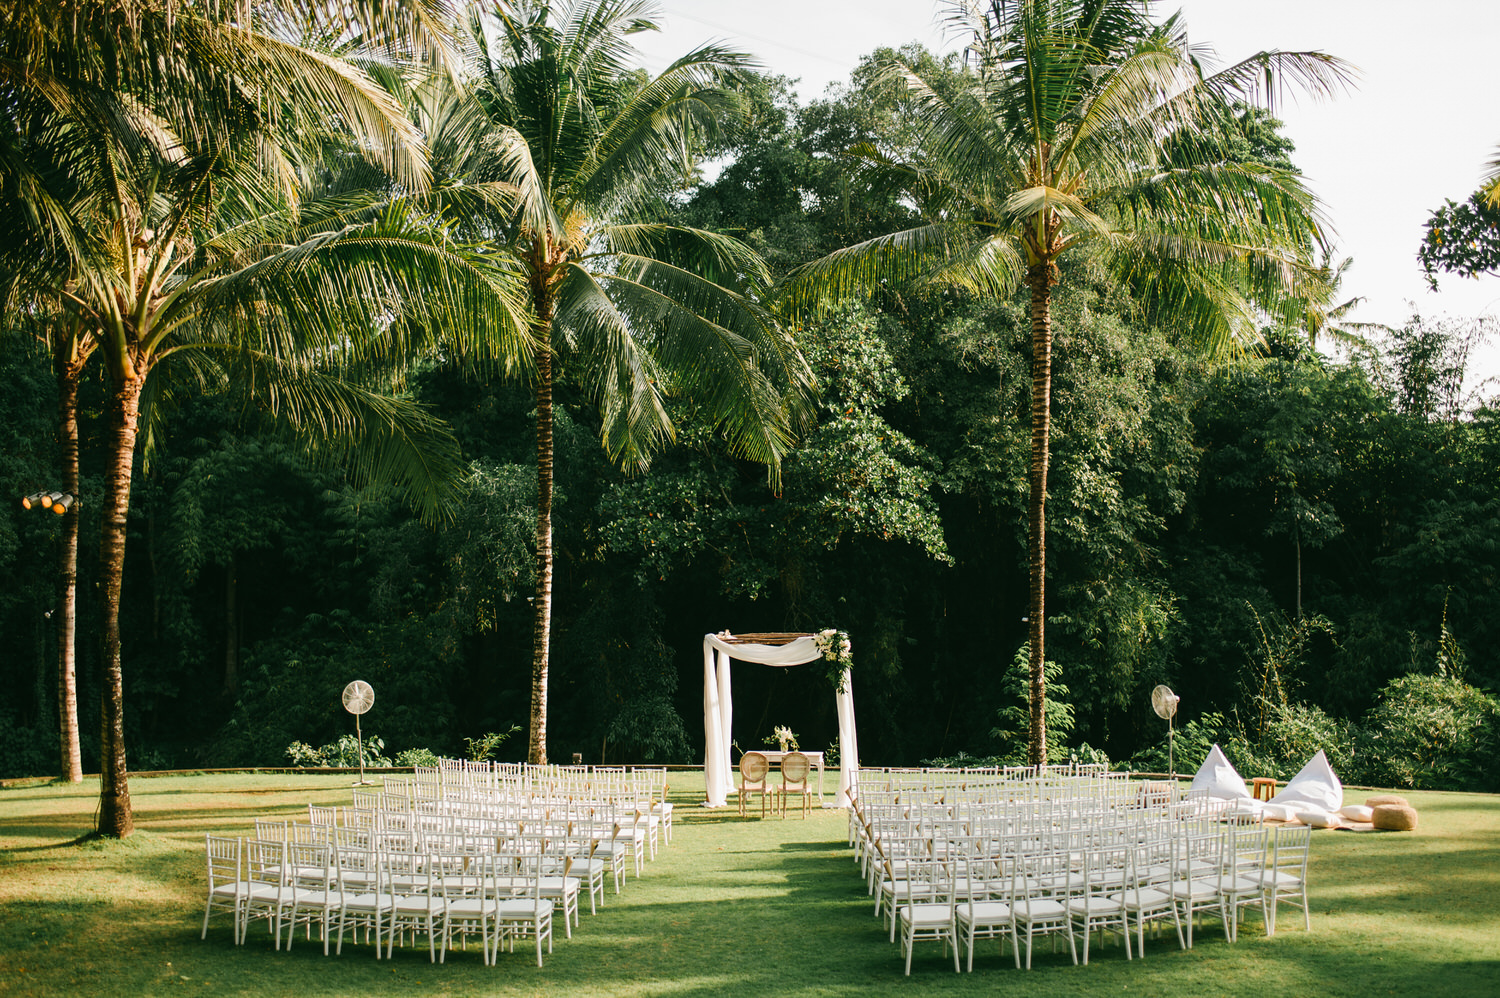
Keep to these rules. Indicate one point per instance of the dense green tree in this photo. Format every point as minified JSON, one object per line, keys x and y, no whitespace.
{"x":1465,"y":238}
{"x":1462,"y":239}
{"x":158,"y":202}
{"x":1061,"y":140}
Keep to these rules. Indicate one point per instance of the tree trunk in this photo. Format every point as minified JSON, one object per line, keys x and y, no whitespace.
{"x":1040,"y":279}
{"x":1298,"y":538}
{"x":115,"y":818}
{"x":68,"y":372}
{"x":231,"y":628}
{"x":541,"y":628}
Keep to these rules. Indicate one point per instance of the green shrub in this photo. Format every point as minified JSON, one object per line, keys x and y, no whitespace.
{"x":342,"y":754}
{"x":1432,"y":733}
{"x":417,"y":757}
{"x":486,"y":745}
{"x":1015,"y":717}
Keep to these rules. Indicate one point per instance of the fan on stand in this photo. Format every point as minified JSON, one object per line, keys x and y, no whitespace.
{"x":359,"y":696}
{"x":1164,"y":702}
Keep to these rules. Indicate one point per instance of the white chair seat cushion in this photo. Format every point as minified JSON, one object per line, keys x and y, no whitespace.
{"x":1280,"y":880}
{"x":421,"y":904}
{"x":1194,"y":890}
{"x":460,"y":908}
{"x":1040,"y":909}
{"x":1146,"y":897}
{"x":926,"y":914}
{"x":1096,"y":904}
{"x":983,"y":912}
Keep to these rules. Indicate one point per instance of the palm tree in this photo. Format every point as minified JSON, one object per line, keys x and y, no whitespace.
{"x":634,"y":307}
{"x":1067,"y":137}
{"x":160,"y":197}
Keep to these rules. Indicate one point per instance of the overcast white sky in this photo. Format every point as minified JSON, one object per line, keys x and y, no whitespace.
{"x":1418,"y":128}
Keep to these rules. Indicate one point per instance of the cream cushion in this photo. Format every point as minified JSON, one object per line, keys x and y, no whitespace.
{"x":1356,"y":812}
{"x":1279,"y":812}
{"x":1314,"y":785}
{"x":1318,"y":818}
{"x":1217,"y":777}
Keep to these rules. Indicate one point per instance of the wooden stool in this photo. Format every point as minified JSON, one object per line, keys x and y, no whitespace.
{"x":1263,"y":783}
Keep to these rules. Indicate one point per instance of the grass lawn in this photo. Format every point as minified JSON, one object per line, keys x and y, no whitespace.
{"x":746,"y":907}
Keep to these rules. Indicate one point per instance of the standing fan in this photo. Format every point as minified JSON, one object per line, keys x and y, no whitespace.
{"x":1164,"y":702}
{"x":359,"y":696}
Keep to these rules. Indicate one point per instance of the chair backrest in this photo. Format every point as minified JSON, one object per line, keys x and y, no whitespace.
{"x":310,"y":864}
{"x":794,"y":769}
{"x":265,"y":861}
{"x":223,"y":859}
{"x":1288,"y":851}
{"x":754,"y":766}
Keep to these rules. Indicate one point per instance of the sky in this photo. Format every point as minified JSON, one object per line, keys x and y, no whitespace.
{"x":1416,"y":128}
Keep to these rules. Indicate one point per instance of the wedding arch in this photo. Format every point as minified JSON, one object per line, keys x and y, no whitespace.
{"x":718,"y":707}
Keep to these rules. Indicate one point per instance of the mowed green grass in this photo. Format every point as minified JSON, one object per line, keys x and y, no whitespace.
{"x":734,"y":906}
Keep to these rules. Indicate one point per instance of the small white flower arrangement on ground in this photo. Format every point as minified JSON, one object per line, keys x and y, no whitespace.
{"x":837,"y":652}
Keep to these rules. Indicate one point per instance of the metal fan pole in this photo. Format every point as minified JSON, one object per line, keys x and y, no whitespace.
{"x":1171,"y":764}
{"x":361,"y":739}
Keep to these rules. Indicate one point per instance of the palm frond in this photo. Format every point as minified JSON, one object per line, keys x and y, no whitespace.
{"x":720,"y":350}
{"x":1265,"y":78}
{"x":971,"y":254}
{"x":378,"y":437}
{"x":1490,"y":184}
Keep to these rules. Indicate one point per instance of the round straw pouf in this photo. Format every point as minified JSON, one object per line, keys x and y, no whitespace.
{"x":1380,"y":799}
{"x":1394,"y":817}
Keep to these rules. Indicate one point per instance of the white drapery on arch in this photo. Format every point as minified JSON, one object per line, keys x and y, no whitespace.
{"x":718,"y":708}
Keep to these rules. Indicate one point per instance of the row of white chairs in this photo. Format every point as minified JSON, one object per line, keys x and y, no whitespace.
{"x":645,"y":786}
{"x":578,"y":848}
{"x":1071,"y":863}
{"x":500,"y":897}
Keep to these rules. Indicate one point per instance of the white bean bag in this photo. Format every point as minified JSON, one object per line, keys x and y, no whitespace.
{"x":1357,"y":812}
{"x":1314,"y":785}
{"x":1318,"y":818}
{"x":1217,"y":778}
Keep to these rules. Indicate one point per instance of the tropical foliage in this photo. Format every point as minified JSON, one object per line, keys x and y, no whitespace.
{"x":1304,"y":550}
{"x":1086,"y":127}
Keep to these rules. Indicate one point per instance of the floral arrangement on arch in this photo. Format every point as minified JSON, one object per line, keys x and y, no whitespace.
{"x":836,"y":650}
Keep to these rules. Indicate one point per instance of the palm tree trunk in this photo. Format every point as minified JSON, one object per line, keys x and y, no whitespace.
{"x":115,"y":817}
{"x":231,"y":628}
{"x":1040,"y":278}
{"x":541,"y":626}
{"x":68,"y":372}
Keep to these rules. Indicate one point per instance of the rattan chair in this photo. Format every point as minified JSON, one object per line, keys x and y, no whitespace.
{"x":795,"y":769}
{"x":755,"y":770}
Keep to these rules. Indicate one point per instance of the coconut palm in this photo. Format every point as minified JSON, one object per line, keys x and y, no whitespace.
{"x":159,"y":206}
{"x":1316,"y":310}
{"x":1070,"y":135}
{"x":1490,"y":186}
{"x":633,"y":308}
